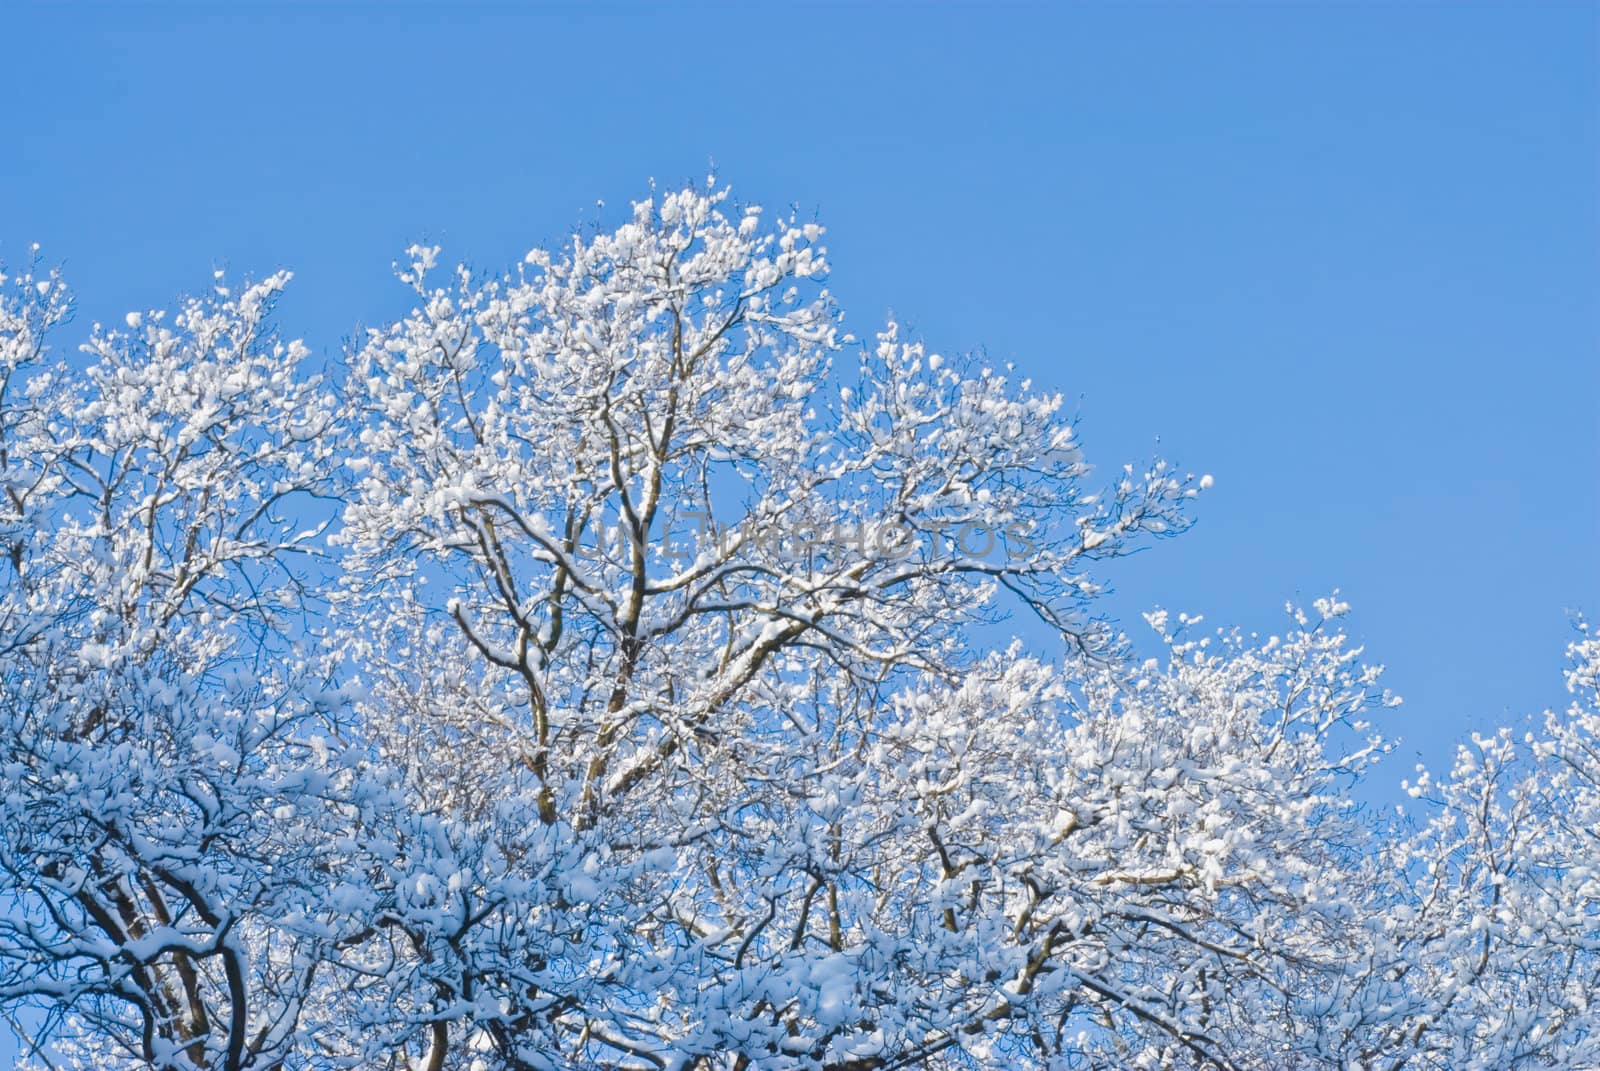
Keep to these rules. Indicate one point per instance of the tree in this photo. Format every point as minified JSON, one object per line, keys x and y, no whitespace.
{"x":160,"y":814}
{"x":612,"y":671}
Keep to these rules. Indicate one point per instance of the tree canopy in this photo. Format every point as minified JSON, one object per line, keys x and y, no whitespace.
{"x":609,"y":664}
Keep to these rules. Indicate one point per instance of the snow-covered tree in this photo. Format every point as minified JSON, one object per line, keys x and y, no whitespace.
{"x":162,"y":817}
{"x":614,"y":668}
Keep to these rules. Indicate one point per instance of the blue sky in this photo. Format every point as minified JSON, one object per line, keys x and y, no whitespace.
{"x":1344,"y":257}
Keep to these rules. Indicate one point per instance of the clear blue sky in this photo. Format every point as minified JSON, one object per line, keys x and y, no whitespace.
{"x":1343,"y":257}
